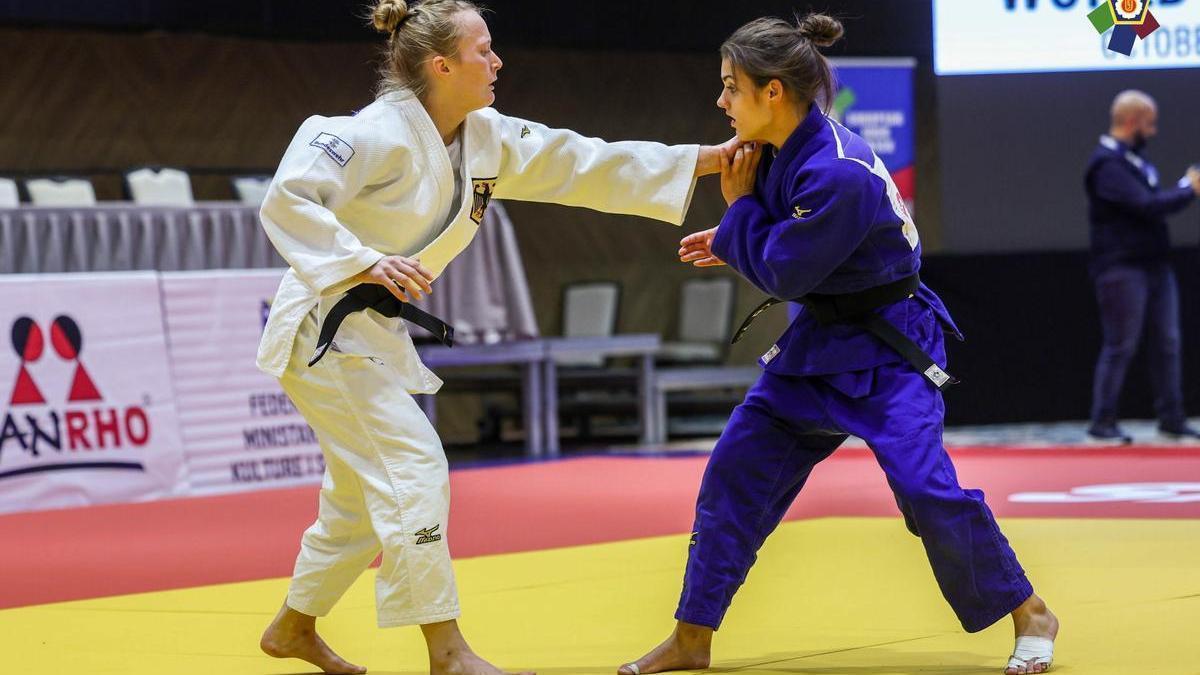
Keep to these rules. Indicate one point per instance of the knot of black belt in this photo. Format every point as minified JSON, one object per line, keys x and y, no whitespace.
{"x":858,"y":309}
{"x":379,"y":299}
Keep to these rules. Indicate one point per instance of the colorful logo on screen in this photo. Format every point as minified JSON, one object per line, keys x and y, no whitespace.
{"x":1128,"y":19}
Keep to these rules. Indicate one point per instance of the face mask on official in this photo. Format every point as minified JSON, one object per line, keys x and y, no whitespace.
{"x":1147,"y":127}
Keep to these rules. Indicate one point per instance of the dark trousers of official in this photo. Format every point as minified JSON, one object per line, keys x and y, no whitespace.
{"x":1133,"y":299}
{"x":785,"y":427}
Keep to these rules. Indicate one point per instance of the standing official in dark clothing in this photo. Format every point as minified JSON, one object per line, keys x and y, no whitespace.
{"x":1135,"y":285}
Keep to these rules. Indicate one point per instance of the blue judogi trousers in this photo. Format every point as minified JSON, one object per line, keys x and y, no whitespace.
{"x":785,"y":426}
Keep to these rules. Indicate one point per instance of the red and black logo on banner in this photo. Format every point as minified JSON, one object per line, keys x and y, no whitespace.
{"x":81,"y":426}
{"x":29,"y":343}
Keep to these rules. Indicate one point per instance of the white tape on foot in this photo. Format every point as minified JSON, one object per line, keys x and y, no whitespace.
{"x":1032,"y":651}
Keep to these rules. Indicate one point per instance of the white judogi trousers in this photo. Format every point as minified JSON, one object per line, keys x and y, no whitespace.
{"x":386,"y":487}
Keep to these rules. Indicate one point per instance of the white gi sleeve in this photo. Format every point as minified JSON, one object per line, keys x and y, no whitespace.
{"x":325,"y":166}
{"x":638,"y":178}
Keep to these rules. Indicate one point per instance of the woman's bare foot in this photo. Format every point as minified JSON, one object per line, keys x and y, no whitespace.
{"x":1033,"y":619}
{"x":449,"y":653}
{"x":293,"y":635}
{"x":688,"y":648}
{"x":465,"y":664}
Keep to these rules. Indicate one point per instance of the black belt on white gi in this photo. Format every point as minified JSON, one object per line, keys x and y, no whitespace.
{"x":858,"y":309}
{"x":378,"y":298}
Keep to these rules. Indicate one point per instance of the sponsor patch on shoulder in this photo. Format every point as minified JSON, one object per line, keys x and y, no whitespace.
{"x":337,"y":149}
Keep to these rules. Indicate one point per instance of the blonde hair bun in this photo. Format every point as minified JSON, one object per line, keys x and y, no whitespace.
{"x":388,"y":14}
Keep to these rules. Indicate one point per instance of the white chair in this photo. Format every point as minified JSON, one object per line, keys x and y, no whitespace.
{"x":589,"y":310}
{"x":61,"y":192}
{"x":251,"y":190}
{"x":161,"y":187}
{"x":705,"y":319}
{"x":9,"y":198}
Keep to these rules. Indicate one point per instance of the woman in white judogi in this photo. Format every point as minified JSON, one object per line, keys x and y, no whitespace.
{"x":390,"y":196}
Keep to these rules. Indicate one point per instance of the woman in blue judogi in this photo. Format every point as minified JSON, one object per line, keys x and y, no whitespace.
{"x":815,"y":218}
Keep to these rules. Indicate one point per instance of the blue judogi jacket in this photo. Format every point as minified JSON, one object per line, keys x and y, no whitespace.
{"x":1127,"y":209}
{"x":825,"y":217}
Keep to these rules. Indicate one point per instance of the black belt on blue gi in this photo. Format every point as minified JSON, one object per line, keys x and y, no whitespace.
{"x":378,"y":298}
{"x":858,"y":309}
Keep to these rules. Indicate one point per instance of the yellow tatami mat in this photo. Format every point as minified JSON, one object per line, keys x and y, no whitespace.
{"x":846,"y":596}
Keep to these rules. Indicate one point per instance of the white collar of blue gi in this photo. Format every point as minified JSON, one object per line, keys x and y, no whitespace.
{"x":1131,"y":157}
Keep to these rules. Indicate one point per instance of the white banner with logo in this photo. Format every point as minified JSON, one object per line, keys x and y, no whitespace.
{"x":1037,"y":36}
{"x":240,"y":431}
{"x":88,"y":415}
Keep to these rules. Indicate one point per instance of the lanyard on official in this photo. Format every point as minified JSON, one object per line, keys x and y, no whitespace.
{"x":1143,"y":167}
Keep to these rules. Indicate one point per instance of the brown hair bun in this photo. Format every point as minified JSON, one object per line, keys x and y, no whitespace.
{"x":820,"y":29}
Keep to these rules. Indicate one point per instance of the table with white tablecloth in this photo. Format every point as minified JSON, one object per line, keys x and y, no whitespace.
{"x":483,"y":292}
{"x":121,"y":236}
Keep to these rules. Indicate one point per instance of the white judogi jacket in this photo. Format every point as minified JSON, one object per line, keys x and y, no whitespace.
{"x":350,"y":190}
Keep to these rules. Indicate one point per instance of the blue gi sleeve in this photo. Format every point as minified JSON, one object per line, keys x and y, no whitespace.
{"x":1116,"y":184}
{"x":832,"y":209}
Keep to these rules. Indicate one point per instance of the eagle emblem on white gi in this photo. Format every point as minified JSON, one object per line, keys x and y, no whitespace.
{"x":482,"y":189}
{"x":525,"y":130}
